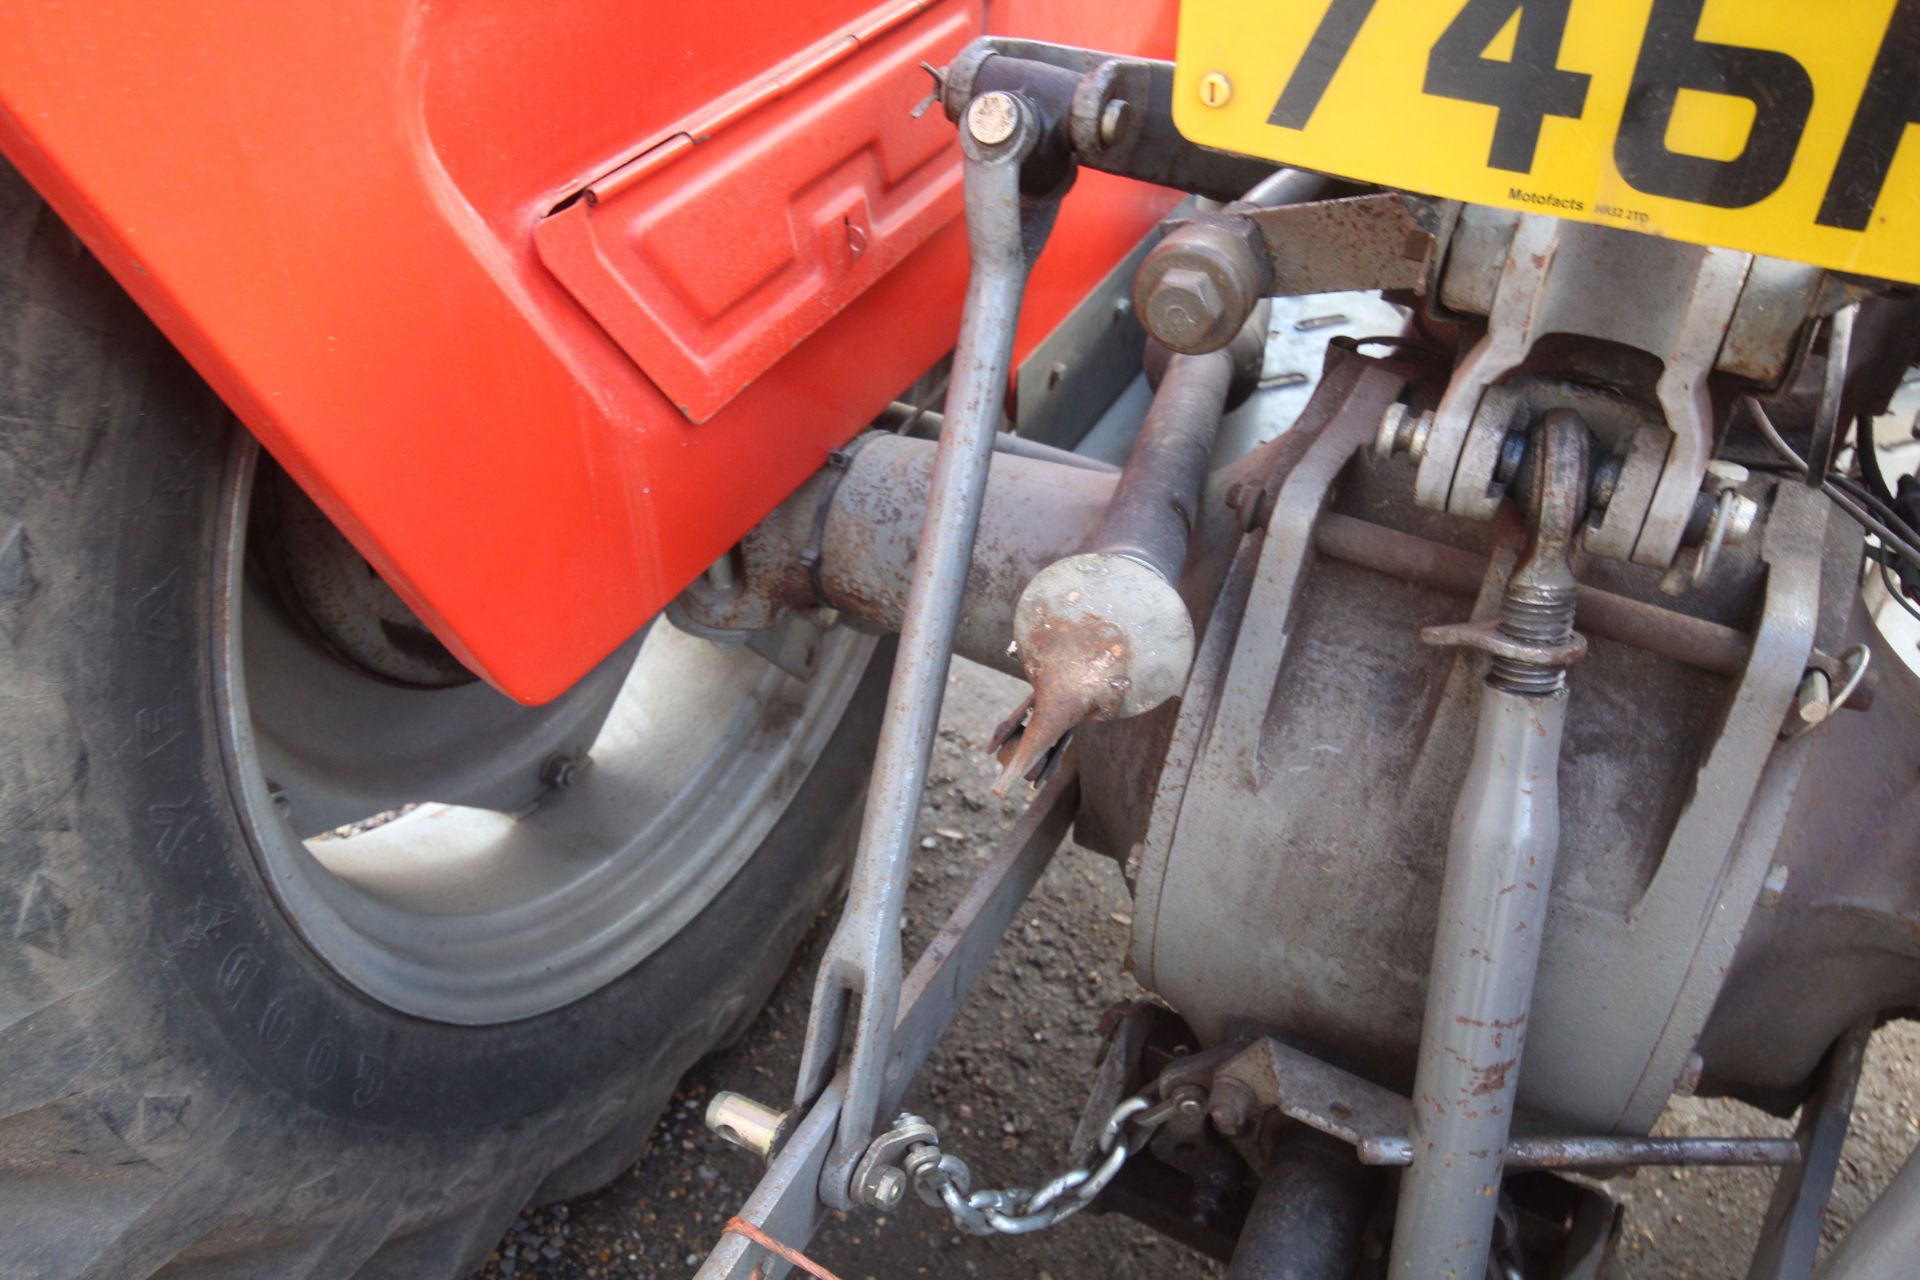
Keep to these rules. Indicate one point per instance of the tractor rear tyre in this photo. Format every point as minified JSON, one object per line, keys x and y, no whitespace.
{"x":312,"y":963}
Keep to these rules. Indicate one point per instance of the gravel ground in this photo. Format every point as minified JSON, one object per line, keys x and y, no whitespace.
{"x":1006,"y":1086}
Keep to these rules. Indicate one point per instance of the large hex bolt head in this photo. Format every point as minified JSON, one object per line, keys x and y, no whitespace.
{"x":1184,"y":309}
{"x":1200,"y":284}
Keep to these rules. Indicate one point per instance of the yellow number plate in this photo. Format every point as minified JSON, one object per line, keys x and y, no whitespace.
{"x":1775,"y":126}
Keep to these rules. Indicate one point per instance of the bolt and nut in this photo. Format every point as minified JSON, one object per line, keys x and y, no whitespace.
{"x":879,"y":1182}
{"x":1402,"y":431}
{"x":1185,"y":308}
{"x":884,"y":1189}
{"x":1738,"y":511}
{"x":563,"y":770}
{"x":1230,"y":1105}
{"x":1201,"y":282}
{"x":992,"y":118}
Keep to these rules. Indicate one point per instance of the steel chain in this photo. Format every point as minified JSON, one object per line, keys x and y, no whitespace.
{"x":943,"y":1180}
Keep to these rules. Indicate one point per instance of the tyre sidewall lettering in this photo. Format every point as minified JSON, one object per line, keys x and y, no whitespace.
{"x":272,"y":999}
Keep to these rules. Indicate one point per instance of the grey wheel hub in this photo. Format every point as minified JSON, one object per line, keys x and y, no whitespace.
{"x":465,"y":859}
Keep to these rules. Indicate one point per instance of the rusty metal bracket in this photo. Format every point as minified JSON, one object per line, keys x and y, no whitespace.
{"x":1302,"y":1087}
{"x":1383,"y":241}
{"x":1266,"y":1076}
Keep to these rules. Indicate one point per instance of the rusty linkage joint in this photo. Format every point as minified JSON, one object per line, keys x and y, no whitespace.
{"x":1533,"y":642}
{"x":1105,"y":634}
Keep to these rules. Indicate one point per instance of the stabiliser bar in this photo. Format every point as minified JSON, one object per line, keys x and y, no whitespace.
{"x":786,"y":1204}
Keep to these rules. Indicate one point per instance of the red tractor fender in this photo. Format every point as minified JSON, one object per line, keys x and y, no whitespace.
{"x":545,"y":305}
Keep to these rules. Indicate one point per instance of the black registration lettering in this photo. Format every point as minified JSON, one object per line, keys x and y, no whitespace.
{"x":1338,"y":28}
{"x":1526,"y":90}
{"x":1672,"y":59}
{"x":1886,"y":108}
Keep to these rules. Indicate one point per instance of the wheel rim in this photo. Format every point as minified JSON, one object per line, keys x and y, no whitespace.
{"x":558,"y":869}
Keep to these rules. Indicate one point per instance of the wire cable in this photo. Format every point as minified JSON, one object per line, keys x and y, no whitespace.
{"x":1865,"y":451}
{"x":741,"y":1227}
{"x":1884,"y":511}
{"x":1838,"y":494}
{"x":1892,"y":585}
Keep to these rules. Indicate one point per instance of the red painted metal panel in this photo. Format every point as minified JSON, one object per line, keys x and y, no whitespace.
{"x":331,"y":209}
{"x":709,"y":263}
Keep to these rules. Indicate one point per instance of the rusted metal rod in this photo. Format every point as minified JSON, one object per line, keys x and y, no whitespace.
{"x":1034,"y":513}
{"x":1696,"y":642}
{"x":925,"y":424}
{"x":1609,"y":1152}
{"x":1153,"y":507}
